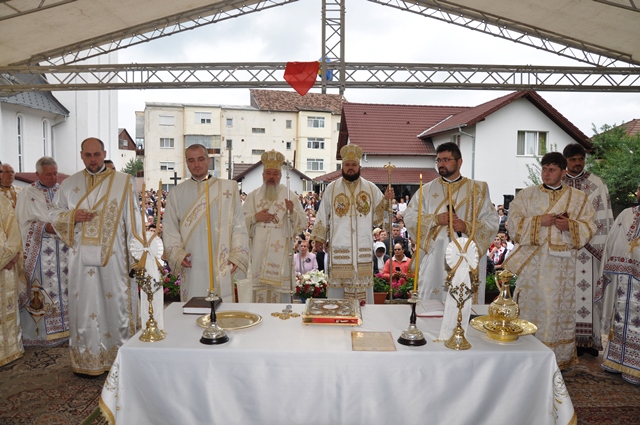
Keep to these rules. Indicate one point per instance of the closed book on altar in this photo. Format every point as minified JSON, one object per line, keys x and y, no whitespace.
{"x":199,"y":305}
{"x":323,"y":311}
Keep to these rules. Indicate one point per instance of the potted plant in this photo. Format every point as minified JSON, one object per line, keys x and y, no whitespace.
{"x":380,"y":289}
{"x":312,"y":284}
{"x":171,"y":286}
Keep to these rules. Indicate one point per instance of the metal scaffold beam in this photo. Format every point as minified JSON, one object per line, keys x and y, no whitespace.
{"x":357,"y":75}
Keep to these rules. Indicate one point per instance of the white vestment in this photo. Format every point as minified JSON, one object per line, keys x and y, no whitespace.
{"x":589,"y":257}
{"x":434,"y":238}
{"x":271,"y":244}
{"x":44,"y":306}
{"x":618,"y":296}
{"x":545,"y":262}
{"x":103,"y":299}
{"x":345,"y":220}
{"x":10,"y":285}
{"x":184,"y":231}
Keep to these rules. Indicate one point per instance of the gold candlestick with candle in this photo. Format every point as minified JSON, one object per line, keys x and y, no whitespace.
{"x":413,"y":336}
{"x":214,"y":334}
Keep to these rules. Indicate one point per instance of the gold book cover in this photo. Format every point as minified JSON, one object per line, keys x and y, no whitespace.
{"x":323,"y":311}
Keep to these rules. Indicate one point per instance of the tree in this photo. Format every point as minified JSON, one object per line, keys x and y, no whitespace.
{"x":133,"y":166}
{"x":535,"y":170}
{"x":616,"y":159}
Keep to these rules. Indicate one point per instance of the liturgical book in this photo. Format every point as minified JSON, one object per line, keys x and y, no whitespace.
{"x":323,"y":311}
{"x":198,"y":305}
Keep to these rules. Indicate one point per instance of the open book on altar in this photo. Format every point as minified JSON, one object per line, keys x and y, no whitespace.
{"x":198,"y":305}
{"x":430,"y":308}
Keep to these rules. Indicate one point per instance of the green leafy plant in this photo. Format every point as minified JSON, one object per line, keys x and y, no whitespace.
{"x":491,"y":283}
{"x":380,"y":284}
{"x":171,"y":283}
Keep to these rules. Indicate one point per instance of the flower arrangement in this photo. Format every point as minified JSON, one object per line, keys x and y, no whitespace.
{"x":171,"y":283}
{"x":380,"y":284}
{"x":401,"y":287}
{"x":312,"y":284}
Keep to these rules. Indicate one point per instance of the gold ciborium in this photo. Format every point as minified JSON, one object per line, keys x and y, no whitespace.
{"x":151,"y":332}
{"x":460,"y":294}
{"x":503,"y":312}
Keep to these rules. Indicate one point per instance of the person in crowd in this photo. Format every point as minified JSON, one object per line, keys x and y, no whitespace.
{"x":397,"y":266}
{"x":588,"y":339}
{"x":453,"y":206}
{"x":95,"y":212}
{"x":44,"y":324}
{"x":304,"y":261}
{"x":321,"y":256}
{"x":352,"y":205}
{"x":550,"y":223}
{"x":380,"y":257}
{"x":502,"y":220}
{"x":376,"y":234}
{"x":497,"y":253}
{"x":507,"y":243}
{"x":109,"y":164}
{"x":402,"y":205}
{"x":403,"y":230}
{"x":272,"y":218}
{"x":8,"y":189}
{"x":397,"y":238}
{"x":187,"y":231}
{"x":617,"y":298}
{"x":11,"y":347}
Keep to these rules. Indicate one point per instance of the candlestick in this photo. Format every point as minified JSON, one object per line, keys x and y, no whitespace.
{"x":142,"y":217}
{"x":417,"y":255}
{"x":211,"y":281}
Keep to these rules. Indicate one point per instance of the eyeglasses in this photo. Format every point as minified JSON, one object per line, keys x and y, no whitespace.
{"x":445,"y":160}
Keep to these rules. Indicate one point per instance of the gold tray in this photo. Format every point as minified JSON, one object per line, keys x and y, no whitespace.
{"x":231,"y":320}
{"x":528,"y":328}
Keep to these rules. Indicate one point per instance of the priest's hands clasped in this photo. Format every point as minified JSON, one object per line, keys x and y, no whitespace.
{"x":265,"y":217}
{"x":560,"y":221}
{"x":82,"y":215}
{"x":389,"y":194}
{"x":186,"y":262}
{"x":458,"y":224}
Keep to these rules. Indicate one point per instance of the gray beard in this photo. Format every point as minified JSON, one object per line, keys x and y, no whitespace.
{"x":271,"y":192}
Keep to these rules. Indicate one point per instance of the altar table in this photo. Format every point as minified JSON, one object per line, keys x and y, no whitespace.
{"x":282,"y":372}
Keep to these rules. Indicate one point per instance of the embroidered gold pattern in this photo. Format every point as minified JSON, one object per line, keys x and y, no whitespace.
{"x":363,"y":203}
{"x":341,"y":205}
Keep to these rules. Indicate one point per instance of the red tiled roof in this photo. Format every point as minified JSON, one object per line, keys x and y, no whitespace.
{"x":32,"y":177}
{"x":383,"y":129}
{"x":476,"y":114}
{"x":632,"y":127}
{"x":379,"y":175}
{"x":290,"y":101}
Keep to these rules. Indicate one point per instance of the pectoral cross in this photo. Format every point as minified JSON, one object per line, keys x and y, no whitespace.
{"x":286,"y":313}
{"x":633,"y":244}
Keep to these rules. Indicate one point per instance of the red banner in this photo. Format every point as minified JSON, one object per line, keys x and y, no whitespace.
{"x":301,"y":75}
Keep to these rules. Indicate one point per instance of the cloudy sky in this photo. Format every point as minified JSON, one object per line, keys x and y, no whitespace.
{"x":374,"y":33}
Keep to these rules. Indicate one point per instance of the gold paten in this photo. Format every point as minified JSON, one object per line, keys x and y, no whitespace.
{"x":528,"y":328}
{"x":231,"y":320}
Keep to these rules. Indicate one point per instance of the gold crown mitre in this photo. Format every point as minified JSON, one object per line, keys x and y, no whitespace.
{"x":351,"y":152}
{"x":272,"y":160}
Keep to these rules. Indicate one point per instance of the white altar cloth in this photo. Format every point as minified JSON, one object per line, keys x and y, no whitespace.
{"x":283,"y":372}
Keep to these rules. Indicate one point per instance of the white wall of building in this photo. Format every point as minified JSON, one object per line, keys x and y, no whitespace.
{"x":329,"y":133}
{"x":154,"y":155}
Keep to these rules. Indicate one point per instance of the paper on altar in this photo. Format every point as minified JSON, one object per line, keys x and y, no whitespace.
{"x":430,"y":308}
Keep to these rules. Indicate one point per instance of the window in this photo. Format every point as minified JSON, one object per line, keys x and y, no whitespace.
{"x":20,"y":128}
{"x":338,"y":126}
{"x":203,"y":117}
{"x":123,"y":143}
{"x":166,"y":142}
{"x":288,"y":124}
{"x":229,"y":122}
{"x":288,"y":144}
{"x":315,"y":122}
{"x":167,"y":166}
{"x":315,"y":164}
{"x":532,"y":143}
{"x":315,"y":143}
{"x":258,"y":130}
{"x":209,"y":142}
{"x":45,"y":137}
{"x":257,"y":151}
{"x":167,"y":120}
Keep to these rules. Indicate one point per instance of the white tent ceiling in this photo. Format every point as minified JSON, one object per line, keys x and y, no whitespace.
{"x":37,"y":31}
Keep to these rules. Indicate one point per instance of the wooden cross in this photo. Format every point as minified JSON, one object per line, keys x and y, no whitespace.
{"x":175,"y":178}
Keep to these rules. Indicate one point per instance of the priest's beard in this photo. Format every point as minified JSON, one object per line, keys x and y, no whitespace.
{"x":352,"y":178}
{"x":271,"y":192}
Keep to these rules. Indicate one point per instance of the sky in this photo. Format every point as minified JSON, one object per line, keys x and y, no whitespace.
{"x":374,"y":33}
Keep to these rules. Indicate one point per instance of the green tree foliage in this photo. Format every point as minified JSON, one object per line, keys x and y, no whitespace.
{"x":133,"y":166}
{"x":616,"y":159}
{"x":535,"y":170}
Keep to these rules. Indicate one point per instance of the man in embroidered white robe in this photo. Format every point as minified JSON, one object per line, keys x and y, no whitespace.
{"x":44,"y":307}
{"x":618,"y":296}
{"x":95,"y":213}
{"x":588,"y":337}
{"x":185,"y":235}
{"x":450,"y":189}
{"x":11,"y":282}
{"x":350,"y":208}
{"x":273,"y":220}
{"x":7,"y":188}
{"x":549,"y":223}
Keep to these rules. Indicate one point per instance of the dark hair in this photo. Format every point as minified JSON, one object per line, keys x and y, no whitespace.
{"x":574,"y":149}
{"x":449,"y":147}
{"x":554,"y":158}
{"x":108,"y":161}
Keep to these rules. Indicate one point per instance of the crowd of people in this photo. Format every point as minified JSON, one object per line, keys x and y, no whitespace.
{"x":67,"y":274}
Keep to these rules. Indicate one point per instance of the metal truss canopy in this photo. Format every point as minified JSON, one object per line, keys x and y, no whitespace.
{"x":357,"y":75}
